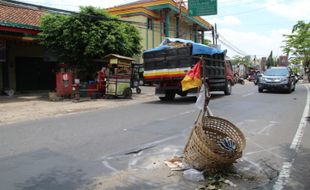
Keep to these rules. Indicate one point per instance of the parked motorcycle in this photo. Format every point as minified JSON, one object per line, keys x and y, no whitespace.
{"x":238,"y":79}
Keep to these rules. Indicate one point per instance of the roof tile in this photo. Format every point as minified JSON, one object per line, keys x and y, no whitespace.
{"x":20,"y":14}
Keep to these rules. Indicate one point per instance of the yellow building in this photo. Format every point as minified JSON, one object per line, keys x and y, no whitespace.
{"x":157,"y":19}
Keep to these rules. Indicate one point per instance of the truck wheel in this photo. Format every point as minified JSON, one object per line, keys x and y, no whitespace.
{"x":183,"y":94}
{"x":169,"y":96}
{"x":163,"y":98}
{"x":228,"y":88}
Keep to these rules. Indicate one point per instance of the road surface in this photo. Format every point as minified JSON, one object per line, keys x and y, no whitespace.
{"x":125,"y":147}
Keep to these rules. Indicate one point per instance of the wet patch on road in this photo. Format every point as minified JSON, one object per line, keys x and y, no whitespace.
{"x":46,"y":170}
{"x":146,"y":170}
{"x":55,"y":179}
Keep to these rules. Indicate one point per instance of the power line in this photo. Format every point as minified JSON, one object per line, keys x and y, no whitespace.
{"x":232,"y":47}
{"x":231,"y":44}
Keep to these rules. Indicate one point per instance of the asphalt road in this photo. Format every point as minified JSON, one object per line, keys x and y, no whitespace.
{"x":124,"y":148}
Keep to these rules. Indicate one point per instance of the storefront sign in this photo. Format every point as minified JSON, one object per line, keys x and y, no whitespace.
{"x":202,"y":7}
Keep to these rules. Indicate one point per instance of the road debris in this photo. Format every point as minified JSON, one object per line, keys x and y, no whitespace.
{"x":193,"y":175}
{"x":175,"y":164}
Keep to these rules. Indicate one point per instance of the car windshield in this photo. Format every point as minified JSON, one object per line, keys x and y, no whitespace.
{"x":276,"y":72}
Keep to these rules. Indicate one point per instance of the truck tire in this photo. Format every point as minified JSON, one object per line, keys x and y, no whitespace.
{"x":169,"y":96}
{"x":182,"y":93}
{"x":228,"y":88}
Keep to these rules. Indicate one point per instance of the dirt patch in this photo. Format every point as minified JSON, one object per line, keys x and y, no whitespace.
{"x":37,"y":106}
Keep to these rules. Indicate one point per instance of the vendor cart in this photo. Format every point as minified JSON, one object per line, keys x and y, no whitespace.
{"x":118,"y":76}
{"x":135,"y":76}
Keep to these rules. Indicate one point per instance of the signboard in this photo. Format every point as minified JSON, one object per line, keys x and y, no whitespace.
{"x":202,"y":7}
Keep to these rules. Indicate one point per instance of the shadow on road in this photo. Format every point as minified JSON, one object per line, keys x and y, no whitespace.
{"x":43,"y":96}
{"x":183,"y":100}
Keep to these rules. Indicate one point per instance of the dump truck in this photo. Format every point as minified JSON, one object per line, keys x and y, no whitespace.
{"x":166,"y":66}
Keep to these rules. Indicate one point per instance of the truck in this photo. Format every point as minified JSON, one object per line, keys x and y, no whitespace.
{"x":166,"y":66}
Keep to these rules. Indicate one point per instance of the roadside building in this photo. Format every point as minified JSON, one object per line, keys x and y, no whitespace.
{"x":263,"y":64}
{"x":24,"y":64}
{"x":157,"y":19}
{"x":283,"y":60}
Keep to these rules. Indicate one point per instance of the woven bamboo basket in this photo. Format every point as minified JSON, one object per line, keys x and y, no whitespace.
{"x":202,"y":150}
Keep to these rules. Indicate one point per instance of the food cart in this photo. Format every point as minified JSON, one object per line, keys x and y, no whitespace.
{"x":118,"y":76}
{"x":136,"y":76}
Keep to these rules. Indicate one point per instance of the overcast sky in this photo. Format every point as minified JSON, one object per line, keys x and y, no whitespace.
{"x":253,"y":26}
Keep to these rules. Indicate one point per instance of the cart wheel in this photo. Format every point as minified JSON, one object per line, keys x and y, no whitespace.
{"x":127,"y":93}
{"x":138,"y":90}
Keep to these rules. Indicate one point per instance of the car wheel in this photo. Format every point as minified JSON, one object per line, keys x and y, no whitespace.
{"x":228,"y":88}
{"x":289,"y":89}
{"x":260,"y":90}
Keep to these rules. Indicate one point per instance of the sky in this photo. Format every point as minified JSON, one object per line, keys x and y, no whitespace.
{"x":247,"y":27}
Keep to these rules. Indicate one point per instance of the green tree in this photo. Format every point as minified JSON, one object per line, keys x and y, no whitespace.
{"x":92,"y":33}
{"x":270,"y":61}
{"x":241,"y":60}
{"x":207,"y":42}
{"x":298,"y":43}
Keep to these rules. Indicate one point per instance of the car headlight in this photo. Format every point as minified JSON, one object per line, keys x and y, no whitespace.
{"x":263,"y":79}
{"x":284,"y":80}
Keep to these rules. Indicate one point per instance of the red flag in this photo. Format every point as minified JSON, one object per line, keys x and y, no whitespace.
{"x":192,"y":78}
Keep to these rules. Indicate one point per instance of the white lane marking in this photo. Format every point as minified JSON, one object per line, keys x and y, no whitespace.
{"x":211,"y":114}
{"x":303,"y":122}
{"x":249,"y":94}
{"x":283,"y":176}
{"x":286,"y":168}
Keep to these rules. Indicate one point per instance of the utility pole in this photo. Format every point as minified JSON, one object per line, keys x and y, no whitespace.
{"x":179,"y":18}
{"x":216,"y":35}
{"x":213,"y":36}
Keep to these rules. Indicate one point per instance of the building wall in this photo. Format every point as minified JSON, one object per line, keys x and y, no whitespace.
{"x":151,"y":38}
{"x":157,"y":33}
{"x":1,"y":77}
{"x":172,"y":27}
{"x":186,"y":31}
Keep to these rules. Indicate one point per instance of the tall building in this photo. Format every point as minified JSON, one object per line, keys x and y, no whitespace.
{"x":157,"y":19}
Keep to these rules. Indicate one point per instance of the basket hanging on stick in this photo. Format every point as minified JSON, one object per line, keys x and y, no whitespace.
{"x":214,"y":143}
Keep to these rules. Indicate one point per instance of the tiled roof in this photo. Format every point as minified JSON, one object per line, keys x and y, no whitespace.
{"x":20,"y":14}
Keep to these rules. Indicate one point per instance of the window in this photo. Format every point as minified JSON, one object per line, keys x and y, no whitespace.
{"x":149,"y":24}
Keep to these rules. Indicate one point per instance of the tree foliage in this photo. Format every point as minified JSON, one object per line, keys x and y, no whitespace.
{"x":298,"y":43}
{"x":91,"y":33}
{"x":241,"y":60}
{"x":270,"y":61}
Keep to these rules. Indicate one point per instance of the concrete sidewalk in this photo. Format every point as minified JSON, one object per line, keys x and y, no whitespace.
{"x":26,"y":107}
